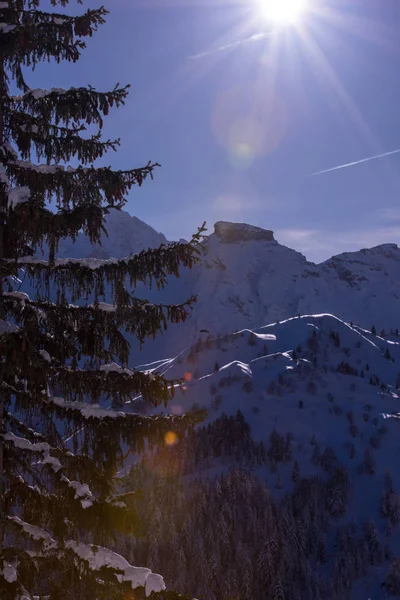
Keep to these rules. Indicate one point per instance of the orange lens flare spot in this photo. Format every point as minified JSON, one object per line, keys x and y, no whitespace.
{"x":170,"y":438}
{"x":188,"y":376}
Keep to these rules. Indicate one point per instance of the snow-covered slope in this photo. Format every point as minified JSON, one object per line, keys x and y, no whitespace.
{"x":288,"y":343}
{"x":333,"y":388}
{"x":126,"y":235}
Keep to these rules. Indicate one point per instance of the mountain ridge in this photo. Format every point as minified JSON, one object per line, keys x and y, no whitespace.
{"x":271,"y":345}
{"x":246,"y":278}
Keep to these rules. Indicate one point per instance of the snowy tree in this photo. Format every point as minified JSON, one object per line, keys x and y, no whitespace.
{"x":393,"y":578}
{"x":296,"y":472}
{"x":59,"y":448}
{"x":369,"y":461}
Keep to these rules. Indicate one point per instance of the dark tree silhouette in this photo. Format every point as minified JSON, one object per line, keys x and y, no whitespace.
{"x":59,"y":450}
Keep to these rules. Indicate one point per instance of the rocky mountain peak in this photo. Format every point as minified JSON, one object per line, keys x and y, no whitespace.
{"x":241,"y":232}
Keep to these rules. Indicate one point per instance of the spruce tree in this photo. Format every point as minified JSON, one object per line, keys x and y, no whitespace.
{"x":61,"y":356}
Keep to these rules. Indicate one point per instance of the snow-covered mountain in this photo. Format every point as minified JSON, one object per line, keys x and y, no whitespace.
{"x":322,"y":397}
{"x":249,"y":279}
{"x":126,"y":235}
{"x":288,"y":343}
{"x":246,"y":278}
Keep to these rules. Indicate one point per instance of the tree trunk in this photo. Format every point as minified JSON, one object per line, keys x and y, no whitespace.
{"x":3,"y":209}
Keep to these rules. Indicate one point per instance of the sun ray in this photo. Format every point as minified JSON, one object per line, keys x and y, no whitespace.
{"x":363,"y":27}
{"x":340,"y":94}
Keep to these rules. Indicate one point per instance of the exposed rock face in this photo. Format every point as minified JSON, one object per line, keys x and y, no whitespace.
{"x":241,"y":232}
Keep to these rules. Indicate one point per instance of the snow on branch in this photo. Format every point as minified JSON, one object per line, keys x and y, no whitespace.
{"x":6,"y":327}
{"x":40,"y":447}
{"x":137,"y":304}
{"x":9,"y":572}
{"x":21,"y":296}
{"x":6,"y":28}
{"x":82,"y":491}
{"x":46,"y":169}
{"x":88,"y":411}
{"x":38,"y":93}
{"x":98,"y":557}
{"x":115,"y":368}
{"x":94,"y":264}
{"x":18,"y":195}
{"x":34,"y":532}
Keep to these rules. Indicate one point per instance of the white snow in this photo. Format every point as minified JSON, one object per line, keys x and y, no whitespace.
{"x":104,"y":307}
{"x":3,"y":175}
{"x":6,"y":327}
{"x":243,"y":367}
{"x":9,"y":570}
{"x":18,"y":195}
{"x":17,"y":295}
{"x":98,"y":557}
{"x":41,"y":447}
{"x":246,"y":284}
{"x":82,"y":491}
{"x":115,"y":368}
{"x":45,"y":355}
{"x":35,"y":532}
{"x":90,"y":263}
{"x":60,"y":20}
{"x":89,"y":411}
{"x":39,"y":93}
{"x":260,"y":336}
{"x":5,"y":27}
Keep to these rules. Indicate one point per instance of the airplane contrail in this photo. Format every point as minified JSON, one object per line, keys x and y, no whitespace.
{"x":357,"y":162}
{"x":252,"y":38}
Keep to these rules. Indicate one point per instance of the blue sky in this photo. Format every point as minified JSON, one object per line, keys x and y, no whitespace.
{"x":238,"y":131}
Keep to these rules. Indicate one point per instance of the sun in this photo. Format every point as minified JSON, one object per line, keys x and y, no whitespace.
{"x":283,"y":12}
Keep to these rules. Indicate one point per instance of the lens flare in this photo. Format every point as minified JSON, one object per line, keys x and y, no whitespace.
{"x":249,"y":121}
{"x":170,"y":438}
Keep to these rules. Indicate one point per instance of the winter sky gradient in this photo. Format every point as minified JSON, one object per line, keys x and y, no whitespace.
{"x":239,"y":115}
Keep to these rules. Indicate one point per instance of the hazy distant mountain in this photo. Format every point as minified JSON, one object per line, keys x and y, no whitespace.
{"x":126,"y":235}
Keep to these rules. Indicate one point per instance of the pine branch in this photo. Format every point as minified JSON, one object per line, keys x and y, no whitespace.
{"x":81,"y":277}
{"x":31,"y":36}
{"x":54,"y":142}
{"x":46,"y":509}
{"x":69,"y":186}
{"x":120,"y":385}
{"x":82,"y":25}
{"x":101,"y":561}
{"x":27,"y":359}
{"x":30,"y":225}
{"x":72,"y":105}
{"x":103,"y":424}
{"x":141,"y":318}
